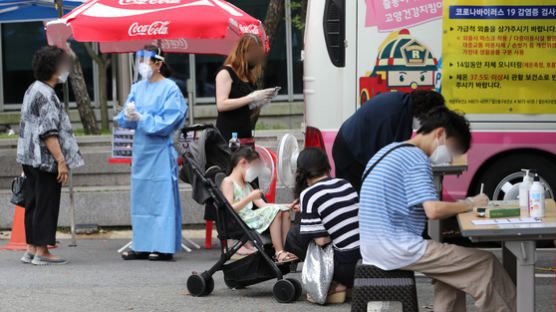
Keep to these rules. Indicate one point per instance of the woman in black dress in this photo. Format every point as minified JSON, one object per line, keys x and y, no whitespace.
{"x":236,"y":90}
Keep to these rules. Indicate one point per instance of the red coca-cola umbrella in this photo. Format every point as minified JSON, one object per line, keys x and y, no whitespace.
{"x":177,"y":26}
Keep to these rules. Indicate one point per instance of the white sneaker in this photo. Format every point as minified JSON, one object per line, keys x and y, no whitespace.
{"x":39,"y":260}
{"x":27,"y":257}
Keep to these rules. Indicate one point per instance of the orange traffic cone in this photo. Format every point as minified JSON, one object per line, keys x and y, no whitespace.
{"x":17,"y":238}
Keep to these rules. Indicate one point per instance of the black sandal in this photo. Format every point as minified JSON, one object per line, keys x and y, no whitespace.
{"x":132,"y":255}
{"x":157,"y":256}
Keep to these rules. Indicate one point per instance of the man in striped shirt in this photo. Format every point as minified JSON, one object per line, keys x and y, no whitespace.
{"x":398,"y":196}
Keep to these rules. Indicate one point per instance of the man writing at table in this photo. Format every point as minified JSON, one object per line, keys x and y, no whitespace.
{"x":398,"y":195}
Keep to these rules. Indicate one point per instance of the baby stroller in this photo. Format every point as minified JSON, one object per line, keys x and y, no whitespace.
{"x":206,"y":161}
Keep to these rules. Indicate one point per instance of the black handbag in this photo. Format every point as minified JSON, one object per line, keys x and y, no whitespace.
{"x":18,"y":197}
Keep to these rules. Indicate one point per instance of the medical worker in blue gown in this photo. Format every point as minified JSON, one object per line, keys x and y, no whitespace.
{"x":155,"y":108}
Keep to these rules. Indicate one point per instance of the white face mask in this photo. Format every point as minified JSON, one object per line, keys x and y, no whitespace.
{"x":63,"y":76}
{"x":416,"y":124}
{"x":441,"y":155}
{"x":251,"y":174}
{"x":145,"y":71}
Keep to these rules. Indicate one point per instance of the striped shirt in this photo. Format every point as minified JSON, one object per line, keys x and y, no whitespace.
{"x":391,"y":215}
{"x":329,"y":208}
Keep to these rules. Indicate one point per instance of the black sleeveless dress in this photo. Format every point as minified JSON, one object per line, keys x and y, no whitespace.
{"x":237,"y":120}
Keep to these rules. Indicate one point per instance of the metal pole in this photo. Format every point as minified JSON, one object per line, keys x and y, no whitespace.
{"x":123,"y":81}
{"x":191,"y":83}
{"x":96,"y":79}
{"x":1,"y":76}
{"x":191,"y":100}
{"x":289,"y":51}
{"x":72,"y":210}
{"x":70,"y":178}
{"x":434,"y":226}
{"x":60,"y":7}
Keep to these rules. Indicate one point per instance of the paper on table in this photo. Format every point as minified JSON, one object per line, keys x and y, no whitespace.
{"x":498,"y":203}
{"x":506,"y":221}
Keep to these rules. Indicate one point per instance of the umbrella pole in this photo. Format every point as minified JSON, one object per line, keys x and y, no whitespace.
{"x":191,"y":89}
{"x":60,"y":7}
{"x":190,"y":100}
{"x":72,"y":210}
{"x":70,"y":178}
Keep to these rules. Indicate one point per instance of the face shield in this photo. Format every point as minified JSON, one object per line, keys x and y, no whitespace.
{"x":143,"y":69}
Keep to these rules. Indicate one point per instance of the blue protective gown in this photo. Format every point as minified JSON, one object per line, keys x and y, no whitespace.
{"x":155,"y":202}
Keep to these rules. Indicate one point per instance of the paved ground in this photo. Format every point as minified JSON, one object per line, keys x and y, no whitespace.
{"x":98,"y":280}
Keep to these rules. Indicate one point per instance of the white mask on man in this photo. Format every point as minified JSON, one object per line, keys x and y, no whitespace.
{"x":416,"y":124}
{"x":441,"y":155}
{"x":251,"y":174}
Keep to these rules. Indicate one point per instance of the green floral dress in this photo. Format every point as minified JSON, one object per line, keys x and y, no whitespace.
{"x":257,"y":219}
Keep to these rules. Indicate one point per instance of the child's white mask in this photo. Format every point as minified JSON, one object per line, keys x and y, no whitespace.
{"x":252,"y":173}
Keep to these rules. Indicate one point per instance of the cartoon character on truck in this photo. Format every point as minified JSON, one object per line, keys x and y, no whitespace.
{"x":403,"y":64}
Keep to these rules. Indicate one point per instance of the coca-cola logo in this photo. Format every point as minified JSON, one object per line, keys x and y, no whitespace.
{"x":251,"y":29}
{"x":128,"y":2}
{"x":156,"y":28}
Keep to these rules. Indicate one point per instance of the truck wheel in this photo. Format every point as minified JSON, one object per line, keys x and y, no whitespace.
{"x":502,"y":179}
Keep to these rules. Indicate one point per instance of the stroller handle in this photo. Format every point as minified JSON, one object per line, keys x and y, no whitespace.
{"x":196,"y":127}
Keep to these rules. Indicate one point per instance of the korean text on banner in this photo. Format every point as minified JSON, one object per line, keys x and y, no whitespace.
{"x":499,"y":56}
{"x":391,"y":15}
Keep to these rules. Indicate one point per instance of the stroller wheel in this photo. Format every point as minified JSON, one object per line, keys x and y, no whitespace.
{"x":298,"y":287}
{"x":200,"y":284}
{"x":210,"y":286}
{"x":284,"y":291}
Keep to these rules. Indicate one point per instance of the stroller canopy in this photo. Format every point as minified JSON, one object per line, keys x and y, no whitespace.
{"x":208,"y":151}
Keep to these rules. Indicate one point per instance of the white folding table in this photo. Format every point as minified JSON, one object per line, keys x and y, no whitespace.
{"x":519,"y":254}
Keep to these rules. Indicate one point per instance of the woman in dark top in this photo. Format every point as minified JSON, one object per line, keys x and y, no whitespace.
{"x":236,"y":90}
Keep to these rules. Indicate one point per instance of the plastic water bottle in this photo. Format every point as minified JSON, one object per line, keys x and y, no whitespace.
{"x":536,"y":198}
{"x":233,"y":144}
{"x":524,"y":193}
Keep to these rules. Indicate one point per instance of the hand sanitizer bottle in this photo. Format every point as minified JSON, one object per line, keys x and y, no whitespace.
{"x":536,"y":199}
{"x":524,"y":193}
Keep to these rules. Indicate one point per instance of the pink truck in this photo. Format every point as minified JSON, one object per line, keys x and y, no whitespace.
{"x":348,"y":58}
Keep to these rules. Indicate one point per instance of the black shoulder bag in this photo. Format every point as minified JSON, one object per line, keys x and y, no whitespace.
{"x":18,"y":197}
{"x":382,"y":157}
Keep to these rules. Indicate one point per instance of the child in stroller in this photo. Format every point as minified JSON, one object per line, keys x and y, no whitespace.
{"x":239,"y":193}
{"x":206,"y":161}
